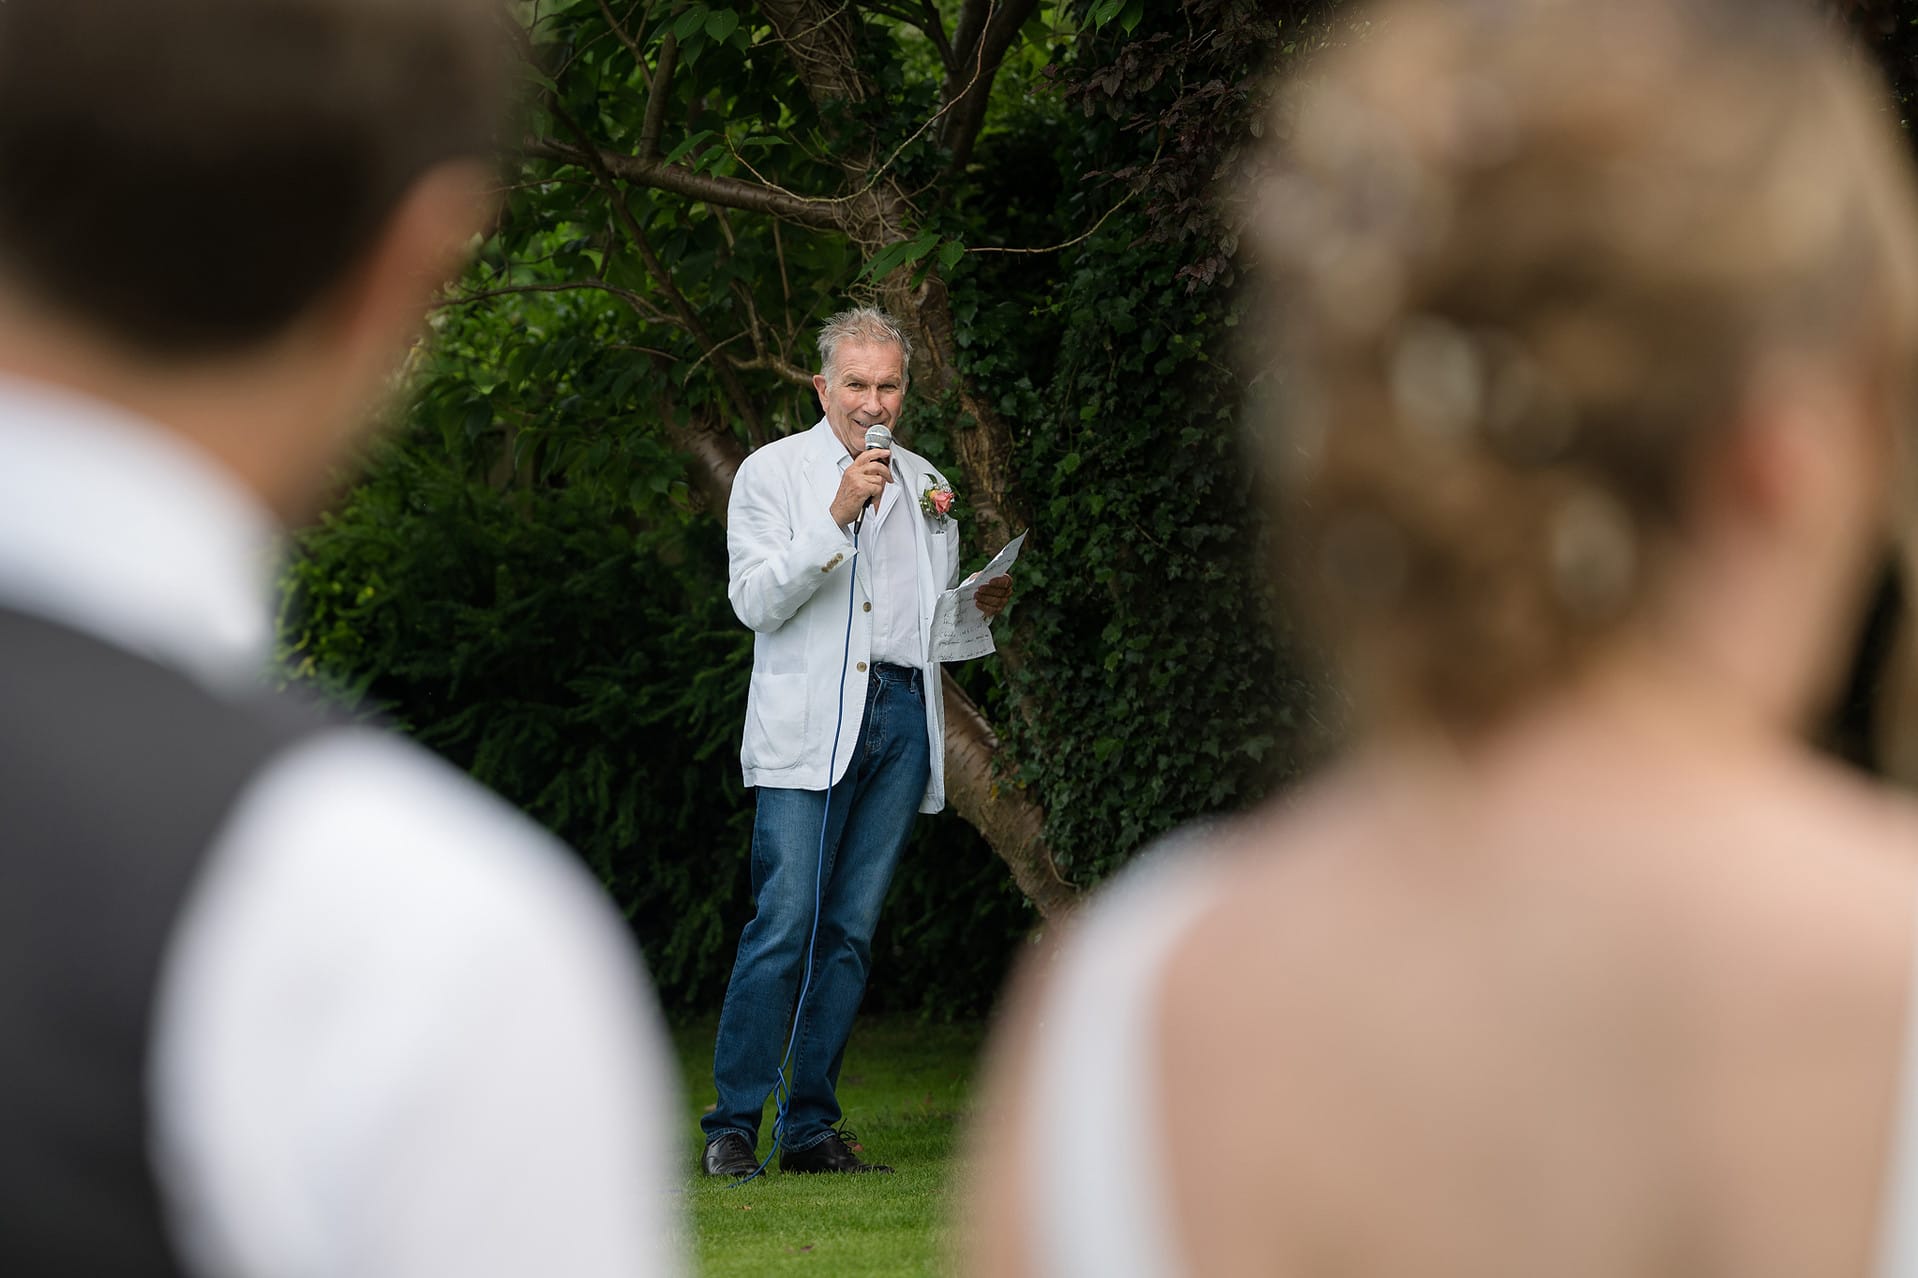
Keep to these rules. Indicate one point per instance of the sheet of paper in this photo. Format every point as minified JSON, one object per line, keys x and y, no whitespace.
{"x":959,"y":630}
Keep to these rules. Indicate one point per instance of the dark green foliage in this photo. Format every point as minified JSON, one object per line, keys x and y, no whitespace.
{"x":574,"y":649}
{"x":588,"y":674}
{"x":597,"y":678}
{"x":1147,"y":629}
{"x":525,"y":581}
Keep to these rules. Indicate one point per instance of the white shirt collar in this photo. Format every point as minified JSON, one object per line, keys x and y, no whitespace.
{"x":112,"y":525}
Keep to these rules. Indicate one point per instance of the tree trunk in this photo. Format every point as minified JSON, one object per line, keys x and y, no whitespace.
{"x":981,"y":437}
{"x":1015,"y":829}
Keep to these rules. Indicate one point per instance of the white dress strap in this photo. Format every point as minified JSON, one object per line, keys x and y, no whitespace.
{"x":1103,"y":1213}
{"x":1898,"y":1211}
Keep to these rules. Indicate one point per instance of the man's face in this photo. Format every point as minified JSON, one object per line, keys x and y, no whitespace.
{"x":867,"y":389}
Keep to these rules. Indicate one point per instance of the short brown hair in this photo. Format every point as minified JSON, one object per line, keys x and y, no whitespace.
{"x":188,"y":176}
{"x":1524,"y":255}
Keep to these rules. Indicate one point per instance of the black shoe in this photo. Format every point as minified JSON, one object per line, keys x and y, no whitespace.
{"x":829,"y":1155}
{"x":729,"y":1154}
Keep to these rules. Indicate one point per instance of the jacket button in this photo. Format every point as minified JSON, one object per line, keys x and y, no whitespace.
{"x":867,"y":606}
{"x":862,"y":667}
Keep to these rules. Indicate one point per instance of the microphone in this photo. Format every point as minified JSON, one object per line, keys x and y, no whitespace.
{"x":877,"y":436}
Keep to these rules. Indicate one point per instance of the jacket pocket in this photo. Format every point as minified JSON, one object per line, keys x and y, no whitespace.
{"x":776,"y":720}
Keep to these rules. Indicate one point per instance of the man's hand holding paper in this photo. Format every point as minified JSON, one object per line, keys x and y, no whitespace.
{"x":993,"y":596}
{"x":959,"y":620}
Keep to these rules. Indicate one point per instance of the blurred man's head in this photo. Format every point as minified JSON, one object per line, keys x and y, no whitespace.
{"x":203,"y":200}
{"x":1600,"y":321}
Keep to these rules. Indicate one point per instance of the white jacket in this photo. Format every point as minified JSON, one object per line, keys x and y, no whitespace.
{"x":791,"y":570}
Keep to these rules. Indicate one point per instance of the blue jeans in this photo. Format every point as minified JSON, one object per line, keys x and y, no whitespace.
{"x":870,"y":817}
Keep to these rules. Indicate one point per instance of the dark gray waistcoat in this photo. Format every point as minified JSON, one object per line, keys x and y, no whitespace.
{"x":115,"y":775}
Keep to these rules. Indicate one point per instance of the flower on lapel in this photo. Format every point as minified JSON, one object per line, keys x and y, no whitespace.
{"x":936,"y":501}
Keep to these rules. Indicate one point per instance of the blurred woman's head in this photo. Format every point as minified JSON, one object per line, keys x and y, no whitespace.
{"x":1586,"y":312}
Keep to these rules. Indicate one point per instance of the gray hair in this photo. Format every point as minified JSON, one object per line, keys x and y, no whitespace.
{"x":862,"y":325}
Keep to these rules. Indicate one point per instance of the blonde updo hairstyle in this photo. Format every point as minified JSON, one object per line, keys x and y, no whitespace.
{"x":1523,"y":257}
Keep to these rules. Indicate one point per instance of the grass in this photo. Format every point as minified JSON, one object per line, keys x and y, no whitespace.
{"x":904,"y":1089}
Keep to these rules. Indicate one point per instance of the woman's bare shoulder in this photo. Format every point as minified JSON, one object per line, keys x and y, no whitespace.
{"x":1751,"y":861}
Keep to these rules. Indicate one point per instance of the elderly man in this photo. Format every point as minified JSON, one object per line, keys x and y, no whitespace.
{"x":838,"y":553}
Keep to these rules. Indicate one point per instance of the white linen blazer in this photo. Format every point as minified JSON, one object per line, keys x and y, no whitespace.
{"x":791,"y":569}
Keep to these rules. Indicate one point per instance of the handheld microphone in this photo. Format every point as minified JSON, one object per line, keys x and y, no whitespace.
{"x":877,"y":436}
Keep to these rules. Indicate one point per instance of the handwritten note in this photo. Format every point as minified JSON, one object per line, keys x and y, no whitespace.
{"x":959,"y":630}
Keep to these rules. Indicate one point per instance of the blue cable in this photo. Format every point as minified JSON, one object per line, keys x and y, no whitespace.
{"x":782,"y":1090}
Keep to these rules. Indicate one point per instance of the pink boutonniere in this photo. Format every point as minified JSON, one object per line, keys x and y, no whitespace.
{"x":936,"y":502}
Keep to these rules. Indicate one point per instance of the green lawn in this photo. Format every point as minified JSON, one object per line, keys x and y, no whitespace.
{"x":903,"y":1088}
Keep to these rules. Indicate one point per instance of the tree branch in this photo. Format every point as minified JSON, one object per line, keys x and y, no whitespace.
{"x":819,"y":40}
{"x":999,"y":809}
{"x":716,"y":455}
{"x":935,"y":28}
{"x":768,"y":362}
{"x":590,"y":286}
{"x":764,"y":357}
{"x":577,"y":54}
{"x":706,"y":188}
{"x":785,"y":284}
{"x":925,"y":19}
{"x":1080,"y":238}
{"x":631,"y":43}
{"x":743,"y":402}
{"x":986,"y":29}
{"x":966,"y":31}
{"x":658,"y":91}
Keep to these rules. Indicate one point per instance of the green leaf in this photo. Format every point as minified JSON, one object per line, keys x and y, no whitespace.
{"x":903,"y":253}
{"x":721,"y":23}
{"x":949,"y":254}
{"x":700,"y":138}
{"x":690,"y":21}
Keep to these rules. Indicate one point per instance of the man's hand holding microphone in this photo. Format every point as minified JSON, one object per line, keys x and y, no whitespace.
{"x":866,"y":478}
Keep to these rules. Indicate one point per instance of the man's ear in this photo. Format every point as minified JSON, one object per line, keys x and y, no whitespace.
{"x":426,"y":242}
{"x":819,"y":388}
